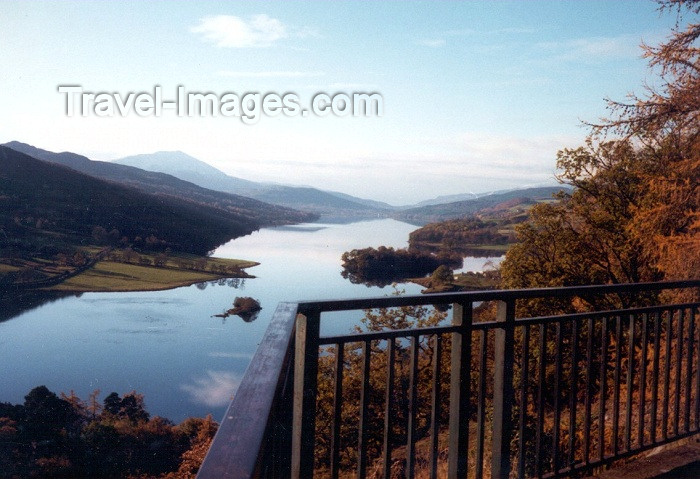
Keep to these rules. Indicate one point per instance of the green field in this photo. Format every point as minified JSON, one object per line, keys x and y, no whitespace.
{"x":108,"y":276}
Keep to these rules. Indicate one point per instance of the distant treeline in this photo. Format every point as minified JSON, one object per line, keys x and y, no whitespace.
{"x":385,"y":265}
{"x":460,"y":233}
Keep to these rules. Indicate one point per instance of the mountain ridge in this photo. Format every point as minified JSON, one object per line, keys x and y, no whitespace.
{"x":305,"y":198}
{"x":178,"y":172}
{"x":46,"y":204}
{"x":460,"y":209}
{"x":261,"y":213}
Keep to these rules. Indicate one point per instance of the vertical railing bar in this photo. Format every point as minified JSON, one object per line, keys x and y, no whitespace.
{"x":573,"y":392}
{"x":412,"y":408}
{"x":481,"y":408}
{"x":337,"y":409}
{"x":655,"y":375}
{"x":667,"y":375}
{"x":460,"y":385}
{"x":540,"y":397}
{"x":363,"y":428}
{"x":643,"y":379}
{"x":503,"y":391}
{"x":677,"y":369}
{"x":305,"y":393}
{"x":435,"y":406}
{"x":697,"y":377}
{"x":524,"y":379}
{"x":388,"y":422}
{"x":589,"y":386}
{"x":603,"y":383}
{"x":557,"y":411}
{"x":282,"y":425}
{"x":630,"y":384}
{"x":689,"y":372}
{"x":616,"y":383}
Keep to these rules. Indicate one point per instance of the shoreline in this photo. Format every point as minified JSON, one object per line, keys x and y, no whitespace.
{"x":110,"y":270}
{"x":110,"y":276}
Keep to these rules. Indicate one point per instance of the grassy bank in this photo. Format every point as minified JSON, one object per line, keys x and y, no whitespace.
{"x":111,"y":276}
{"x":104,"y":270}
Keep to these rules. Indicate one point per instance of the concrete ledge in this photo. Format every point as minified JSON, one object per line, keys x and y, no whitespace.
{"x":666,"y":462}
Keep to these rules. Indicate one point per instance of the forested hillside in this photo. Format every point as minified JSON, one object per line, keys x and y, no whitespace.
{"x":462,"y":209}
{"x":244,"y":209}
{"x":43,"y":205}
{"x":304,"y":198}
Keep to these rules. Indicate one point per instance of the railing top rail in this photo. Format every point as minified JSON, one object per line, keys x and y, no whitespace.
{"x":488,"y":325}
{"x":311,"y":307}
{"x":234,"y":452}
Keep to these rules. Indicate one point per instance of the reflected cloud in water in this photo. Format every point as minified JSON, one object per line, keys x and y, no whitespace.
{"x":214,"y":389}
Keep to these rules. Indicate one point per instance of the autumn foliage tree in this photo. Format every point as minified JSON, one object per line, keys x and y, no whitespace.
{"x":52,"y":436}
{"x":664,"y":122}
{"x":633,"y":215}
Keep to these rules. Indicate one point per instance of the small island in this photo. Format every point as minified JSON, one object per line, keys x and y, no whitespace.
{"x":245,"y":307}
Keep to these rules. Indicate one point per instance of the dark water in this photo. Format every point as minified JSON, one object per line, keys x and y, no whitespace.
{"x":168,"y":345}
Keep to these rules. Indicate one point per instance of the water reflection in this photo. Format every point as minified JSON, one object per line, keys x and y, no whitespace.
{"x":15,"y":303}
{"x":234,"y":283}
{"x":249,"y":317}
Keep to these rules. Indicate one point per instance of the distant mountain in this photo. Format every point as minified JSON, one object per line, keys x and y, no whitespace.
{"x":440,"y":200}
{"x":183,"y":166}
{"x":311,"y":199}
{"x":186,"y":167}
{"x":379,"y":205}
{"x":460,"y":209}
{"x":255,"y":212}
{"x":44,"y":205}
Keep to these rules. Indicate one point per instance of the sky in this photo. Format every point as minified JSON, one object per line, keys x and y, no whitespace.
{"x":476,"y":96}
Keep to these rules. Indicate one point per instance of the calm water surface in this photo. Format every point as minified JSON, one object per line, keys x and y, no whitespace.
{"x":168,"y":345}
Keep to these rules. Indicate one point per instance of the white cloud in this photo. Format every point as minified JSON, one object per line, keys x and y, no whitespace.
{"x":460,"y":33}
{"x":512,"y":30}
{"x":493,"y":152}
{"x":594,"y":48}
{"x":432,"y":42}
{"x":216,"y":388}
{"x":440,"y":38}
{"x":344,"y":86}
{"x":234,"y":32}
{"x":270,"y":74}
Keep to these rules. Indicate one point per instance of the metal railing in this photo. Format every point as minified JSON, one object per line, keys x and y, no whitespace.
{"x":506,"y":397}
